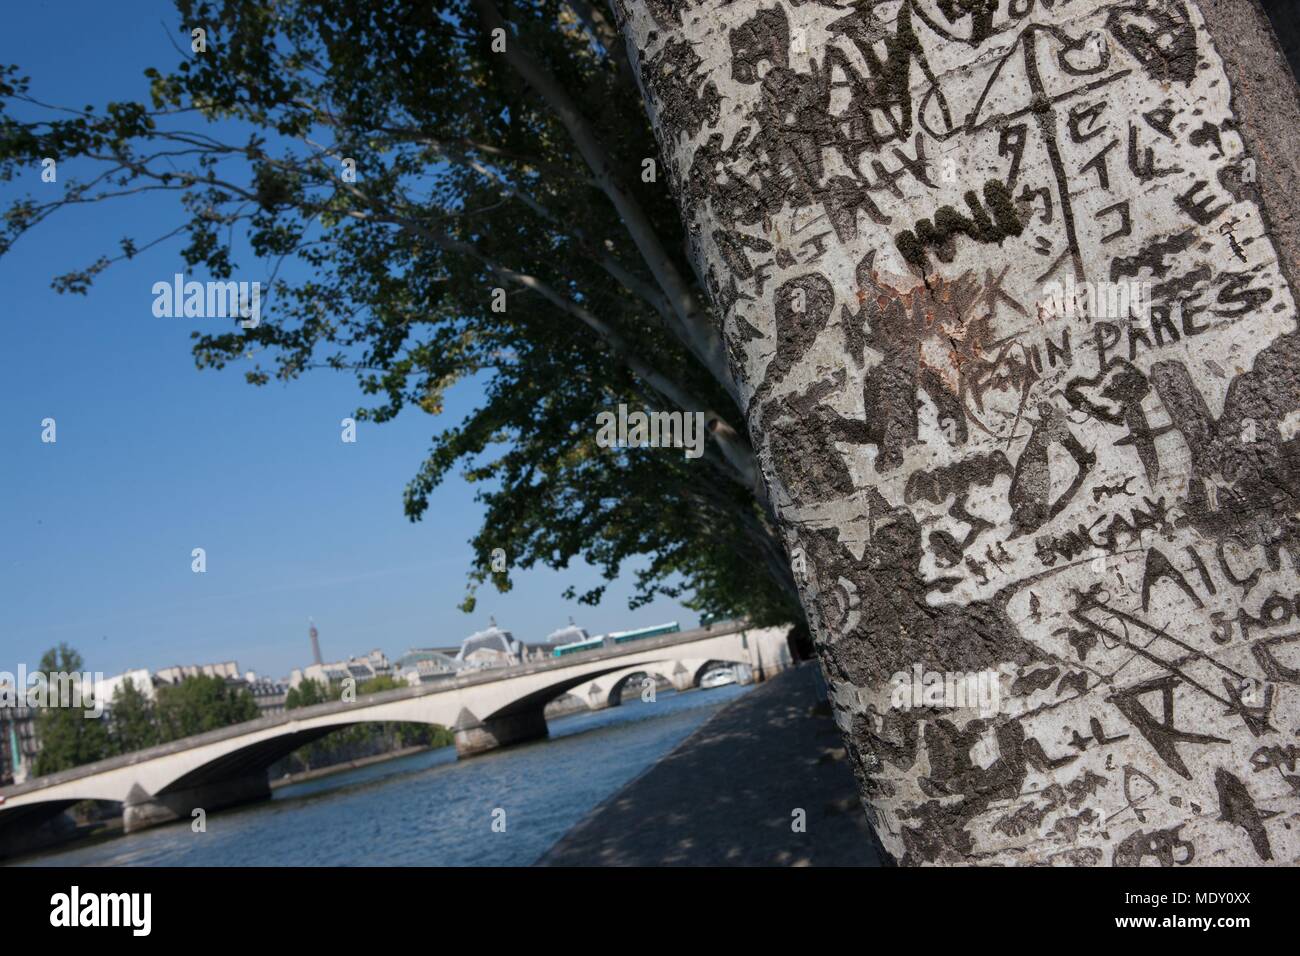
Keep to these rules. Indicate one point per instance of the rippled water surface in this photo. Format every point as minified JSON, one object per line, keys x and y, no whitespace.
{"x":429,"y":809}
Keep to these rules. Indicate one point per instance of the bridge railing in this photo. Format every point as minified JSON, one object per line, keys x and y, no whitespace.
{"x":474,"y":678}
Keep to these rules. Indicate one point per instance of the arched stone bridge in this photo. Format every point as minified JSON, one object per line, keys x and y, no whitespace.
{"x":486,"y":709}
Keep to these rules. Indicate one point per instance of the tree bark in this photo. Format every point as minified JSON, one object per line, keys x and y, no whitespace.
{"x":1046,"y":536}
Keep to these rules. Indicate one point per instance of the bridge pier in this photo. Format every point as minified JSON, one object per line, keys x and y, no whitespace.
{"x":598,"y":698}
{"x":142,"y":810}
{"x":500,"y":732}
{"x":684,"y":680}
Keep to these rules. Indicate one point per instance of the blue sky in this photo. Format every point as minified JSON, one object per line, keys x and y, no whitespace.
{"x":155,"y":458}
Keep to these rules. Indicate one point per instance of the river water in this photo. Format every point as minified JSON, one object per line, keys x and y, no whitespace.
{"x":429,"y":809}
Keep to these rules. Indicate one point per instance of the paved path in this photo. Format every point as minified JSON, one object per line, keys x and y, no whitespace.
{"x":726,"y":794}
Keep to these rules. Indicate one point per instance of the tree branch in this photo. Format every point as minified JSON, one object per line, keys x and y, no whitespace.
{"x":695,"y":328}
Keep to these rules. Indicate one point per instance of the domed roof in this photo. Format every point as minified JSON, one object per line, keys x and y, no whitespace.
{"x":493,"y":638}
{"x":568,"y":634}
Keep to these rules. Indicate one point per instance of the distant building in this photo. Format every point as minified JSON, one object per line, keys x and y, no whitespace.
{"x":324,"y":674}
{"x":269,"y":695}
{"x":18,"y":745}
{"x":227,"y":670}
{"x":377,"y":662}
{"x":569,"y":634}
{"x":495,"y":647}
{"x":360,"y":669}
{"x":425,"y":665}
{"x":140,"y":678}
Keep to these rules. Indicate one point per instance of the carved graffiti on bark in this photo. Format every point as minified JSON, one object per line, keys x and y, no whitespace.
{"x":1103,"y":503}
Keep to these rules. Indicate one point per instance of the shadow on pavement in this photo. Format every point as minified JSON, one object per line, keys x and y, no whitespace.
{"x":727,"y":795}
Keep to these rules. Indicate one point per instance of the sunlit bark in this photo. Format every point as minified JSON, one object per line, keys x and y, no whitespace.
{"x":1020,"y":367}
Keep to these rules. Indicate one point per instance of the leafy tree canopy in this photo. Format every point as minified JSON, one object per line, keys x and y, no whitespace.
{"x":496,"y":144}
{"x":68,"y":738}
{"x":132,"y":725}
{"x":199,"y":704}
{"x":307,"y":693}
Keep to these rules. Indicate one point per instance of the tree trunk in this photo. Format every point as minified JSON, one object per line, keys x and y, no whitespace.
{"x":1001,"y":287}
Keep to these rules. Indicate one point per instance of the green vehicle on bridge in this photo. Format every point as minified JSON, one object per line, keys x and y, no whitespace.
{"x":616,"y":637}
{"x":623,"y":637}
{"x":590,"y":644}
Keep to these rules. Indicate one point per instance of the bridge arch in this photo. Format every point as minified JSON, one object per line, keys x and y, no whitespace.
{"x":606,"y":690}
{"x":714,"y":663}
{"x":634,"y":681}
{"x":485,"y":709}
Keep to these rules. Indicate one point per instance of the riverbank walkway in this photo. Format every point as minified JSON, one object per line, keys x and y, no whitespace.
{"x":727,"y":795}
